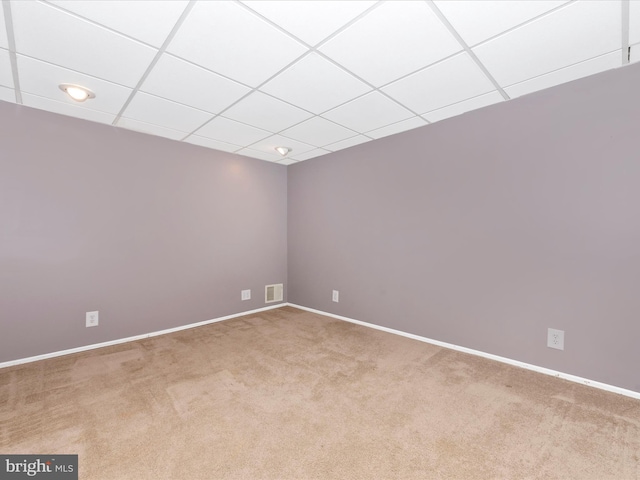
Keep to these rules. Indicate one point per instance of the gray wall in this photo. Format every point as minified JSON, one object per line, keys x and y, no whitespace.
{"x":486,"y":229}
{"x":152,"y":233}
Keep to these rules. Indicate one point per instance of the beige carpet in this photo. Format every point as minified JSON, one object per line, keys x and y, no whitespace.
{"x":287,"y":394}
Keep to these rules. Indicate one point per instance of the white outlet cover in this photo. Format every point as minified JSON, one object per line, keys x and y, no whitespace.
{"x":555,"y":339}
{"x":92,"y":319}
{"x":245,"y":295}
{"x":336,"y":296}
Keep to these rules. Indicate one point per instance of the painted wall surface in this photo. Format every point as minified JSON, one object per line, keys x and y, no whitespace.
{"x":486,"y":229}
{"x":150,"y":232}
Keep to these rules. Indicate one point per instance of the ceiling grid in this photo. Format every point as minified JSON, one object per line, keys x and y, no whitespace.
{"x":314,"y":76}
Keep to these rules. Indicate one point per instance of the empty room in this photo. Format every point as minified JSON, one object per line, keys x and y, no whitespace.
{"x":319,"y":239}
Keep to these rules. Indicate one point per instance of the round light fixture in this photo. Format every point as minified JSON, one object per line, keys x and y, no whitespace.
{"x":76,"y":92}
{"x":283,"y":150}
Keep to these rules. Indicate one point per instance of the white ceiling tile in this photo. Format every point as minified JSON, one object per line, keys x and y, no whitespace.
{"x":43,"y":79}
{"x":310,"y":154}
{"x":209,"y":143}
{"x":464,"y":106}
{"x":6,"y":76}
{"x":226,"y":38}
{"x":310,"y":21}
{"x":286,"y":161}
{"x":269,"y":145}
{"x":349,"y":142}
{"x":477,"y":21}
{"x":149,"y":21}
{"x":131,"y":124}
{"x":402,"y":126}
{"x":155,"y":110}
{"x":192,"y":85}
{"x":368,"y":112}
{"x":318,"y":131}
{"x":634,"y":22}
{"x":230,"y":131}
{"x":572,"y":34}
{"x":583,"y":69}
{"x":73,"y":43}
{"x":4,"y":43}
{"x":393,"y":40}
{"x":7,"y":94}
{"x":635,"y":53}
{"x":249,"y":152}
{"x":315,"y":84}
{"x":451,"y":81}
{"x":66,"y":109}
{"x":264,"y":111}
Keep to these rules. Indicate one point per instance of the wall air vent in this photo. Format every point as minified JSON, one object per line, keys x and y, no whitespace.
{"x":273,"y":293}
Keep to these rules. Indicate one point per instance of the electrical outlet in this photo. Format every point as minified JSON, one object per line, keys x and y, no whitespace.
{"x":245,"y":295}
{"x":92,"y":319}
{"x":555,"y":339}
{"x":336,"y":296}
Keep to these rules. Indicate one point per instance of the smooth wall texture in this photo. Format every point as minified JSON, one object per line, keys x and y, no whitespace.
{"x":486,"y":229}
{"x":150,"y":232}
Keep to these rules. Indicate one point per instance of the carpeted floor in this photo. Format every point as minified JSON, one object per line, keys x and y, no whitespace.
{"x":287,"y":394}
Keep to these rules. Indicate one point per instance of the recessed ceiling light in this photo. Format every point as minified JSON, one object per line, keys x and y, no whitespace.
{"x":283,"y":150}
{"x":76,"y":92}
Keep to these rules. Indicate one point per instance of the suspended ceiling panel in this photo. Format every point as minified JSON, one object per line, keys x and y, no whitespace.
{"x":313,"y":76}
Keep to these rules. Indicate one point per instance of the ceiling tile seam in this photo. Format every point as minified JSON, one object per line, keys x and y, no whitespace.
{"x":466,"y":48}
{"x":311,"y":49}
{"x":349,"y":23}
{"x":280,"y":132}
{"x":459,"y":102}
{"x":313,"y":147}
{"x":13,"y":59}
{"x":72,"y":105}
{"x":291,"y":138}
{"x":253,"y":89}
{"x":257,"y":89}
{"x":229,"y":143}
{"x":531,"y":20}
{"x":315,"y":49}
{"x":272,"y":24}
{"x":625,"y":21}
{"x":561,"y":68}
{"x":151,"y":125}
{"x":72,"y":70}
{"x":97,"y":24}
{"x":370,"y":85}
{"x":355,"y":133}
{"x":322,"y":42}
{"x":176,"y":103}
{"x":221,"y":75}
{"x":156,"y":58}
{"x":307,"y":143}
{"x":400,"y":121}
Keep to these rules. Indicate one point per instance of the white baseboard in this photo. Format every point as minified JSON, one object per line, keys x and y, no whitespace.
{"x":131,"y":339}
{"x":528,"y":366}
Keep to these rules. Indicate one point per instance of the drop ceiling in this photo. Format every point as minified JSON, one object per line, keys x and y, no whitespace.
{"x":314,"y":76}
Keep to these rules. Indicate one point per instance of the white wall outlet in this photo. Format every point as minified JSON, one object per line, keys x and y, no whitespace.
{"x":555,"y":339}
{"x":92,"y":319}
{"x":336,"y":296}
{"x":245,"y":295}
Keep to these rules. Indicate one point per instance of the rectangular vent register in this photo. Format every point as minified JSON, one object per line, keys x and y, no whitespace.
{"x":273,"y":293}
